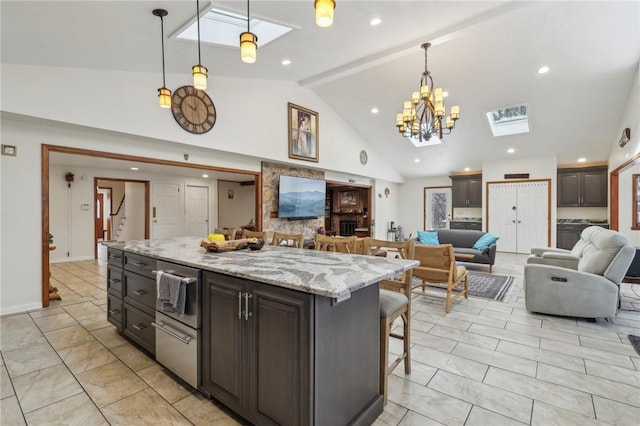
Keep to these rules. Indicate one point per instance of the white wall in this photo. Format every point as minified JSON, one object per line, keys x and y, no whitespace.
{"x":386,"y":209}
{"x":134,"y":210}
{"x":238,"y":211}
{"x":411,"y":202}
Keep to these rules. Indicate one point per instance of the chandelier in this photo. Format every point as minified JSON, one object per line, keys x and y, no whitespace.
{"x":424,"y":116}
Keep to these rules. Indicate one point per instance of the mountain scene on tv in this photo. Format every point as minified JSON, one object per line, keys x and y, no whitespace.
{"x":301,"y":204}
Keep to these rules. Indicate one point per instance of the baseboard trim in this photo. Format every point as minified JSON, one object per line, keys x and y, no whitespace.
{"x":20,"y":309}
{"x":71,"y":259}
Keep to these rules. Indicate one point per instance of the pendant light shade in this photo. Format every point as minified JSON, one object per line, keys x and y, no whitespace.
{"x":248,"y":47}
{"x":199,"y":72}
{"x":164,"y":94}
{"x":248,"y":42}
{"x":324,"y":12}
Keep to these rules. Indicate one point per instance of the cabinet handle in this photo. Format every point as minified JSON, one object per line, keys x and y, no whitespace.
{"x":139,"y":264}
{"x":115,"y":257}
{"x":138,"y":327}
{"x":114,"y":311}
{"x":247,"y":314}
{"x":239,"y":305}
{"x":114,"y":280}
{"x":139,"y":292}
{"x":160,"y":326}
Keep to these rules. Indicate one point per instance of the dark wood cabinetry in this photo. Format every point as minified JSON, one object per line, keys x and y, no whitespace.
{"x":256,"y":349}
{"x":461,"y":224}
{"x":131,"y":296}
{"x":585,"y":187}
{"x":466,"y":191}
{"x":569,"y":234}
{"x":279,"y":356}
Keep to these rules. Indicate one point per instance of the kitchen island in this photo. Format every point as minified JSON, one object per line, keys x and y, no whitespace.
{"x":289,"y":336}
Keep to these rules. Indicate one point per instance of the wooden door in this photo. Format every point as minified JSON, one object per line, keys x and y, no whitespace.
{"x":99,"y":216}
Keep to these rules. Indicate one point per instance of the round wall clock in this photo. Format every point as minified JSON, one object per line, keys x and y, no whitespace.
{"x":193,"y":109}
{"x":363,"y":157}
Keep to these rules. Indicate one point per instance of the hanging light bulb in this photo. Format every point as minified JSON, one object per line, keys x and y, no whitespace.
{"x":324,"y":12}
{"x":248,"y":43}
{"x":164,"y":94}
{"x":199,"y":72}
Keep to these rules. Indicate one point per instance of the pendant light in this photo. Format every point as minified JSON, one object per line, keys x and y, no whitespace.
{"x":164,"y":94}
{"x":324,"y":12}
{"x":248,"y":43}
{"x":199,"y":72}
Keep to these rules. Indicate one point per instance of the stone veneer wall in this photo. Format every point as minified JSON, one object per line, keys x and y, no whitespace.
{"x":270,"y":180}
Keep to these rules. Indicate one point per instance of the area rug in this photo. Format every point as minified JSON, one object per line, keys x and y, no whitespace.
{"x":486,"y":286}
{"x":635,"y":342}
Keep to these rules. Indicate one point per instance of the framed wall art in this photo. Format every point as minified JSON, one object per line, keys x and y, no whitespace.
{"x":303,"y":133}
{"x":348,"y":198}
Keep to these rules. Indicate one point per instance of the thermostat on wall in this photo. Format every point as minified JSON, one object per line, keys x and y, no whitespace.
{"x":84,"y":206}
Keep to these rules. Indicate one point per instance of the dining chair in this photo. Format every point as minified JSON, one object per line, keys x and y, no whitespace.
{"x":395,"y":302}
{"x":254,"y":234}
{"x":289,"y":240}
{"x":438,"y":271}
{"x":336,"y":244}
{"x":229,"y":234}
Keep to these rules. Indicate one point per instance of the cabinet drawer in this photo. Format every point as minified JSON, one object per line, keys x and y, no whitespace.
{"x":575,"y":227}
{"x":142,"y":265}
{"x":137,"y":326}
{"x":114,"y":281}
{"x":115,"y":257}
{"x":115,"y":311}
{"x":476,"y":226}
{"x":140,"y":291}
{"x":456,"y":225}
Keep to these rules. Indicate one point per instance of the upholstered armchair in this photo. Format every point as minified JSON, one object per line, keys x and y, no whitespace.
{"x":561,"y":257}
{"x":591,"y":289}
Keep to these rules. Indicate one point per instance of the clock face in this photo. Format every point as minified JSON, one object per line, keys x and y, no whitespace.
{"x":193,"y":109}
{"x":363,"y":157}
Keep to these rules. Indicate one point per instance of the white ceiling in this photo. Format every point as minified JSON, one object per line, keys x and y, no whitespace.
{"x":486,"y":54}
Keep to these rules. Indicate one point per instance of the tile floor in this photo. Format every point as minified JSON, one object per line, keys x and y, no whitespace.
{"x":484,"y":363}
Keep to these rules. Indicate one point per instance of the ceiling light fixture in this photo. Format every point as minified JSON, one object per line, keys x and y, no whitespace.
{"x":199,"y":72}
{"x":164,"y":94}
{"x":582,"y":160}
{"x":248,"y":43}
{"x":466,"y":169}
{"x":205,"y":176}
{"x":543,"y":70}
{"x":286,"y":62}
{"x":134,"y":168}
{"x":511,"y":150}
{"x":324,"y":12}
{"x":417,"y":160}
{"x":374,"y":110}
{"x":375,"y":21}
{"x":421,"y":117}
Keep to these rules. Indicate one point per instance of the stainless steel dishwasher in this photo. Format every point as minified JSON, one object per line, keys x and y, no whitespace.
{"x":178,"y":334}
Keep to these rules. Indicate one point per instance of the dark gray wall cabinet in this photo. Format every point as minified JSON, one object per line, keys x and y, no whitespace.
{"x":461,"y":224}
{"x":569,"y":234}
{"x":466,"y":191}
{"x":582,"y":187}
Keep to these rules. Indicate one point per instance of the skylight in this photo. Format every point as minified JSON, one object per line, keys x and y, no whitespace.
{"x":509,"y":121}
{"x":223,"y":28}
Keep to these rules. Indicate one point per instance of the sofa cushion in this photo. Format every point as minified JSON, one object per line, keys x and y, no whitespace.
{"x":597,"y":256}
{"x":585,"y":238}
{"x":459,"y":237}
{"x":428,"y":237}
{"x":485,"y":241}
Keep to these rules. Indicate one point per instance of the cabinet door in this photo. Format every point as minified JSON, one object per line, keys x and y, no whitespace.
{"x":279,"y":357}
{"x":569,"y":189}
{"x":459,"y":189}
{"x":567,"y":238}
{"x":137,"y":326}
{"x":474,"y":194}
{"x":456,"y":225}
{"x":223,"y":347}
{"x":594,"y":189}
{"x":115,"y":311}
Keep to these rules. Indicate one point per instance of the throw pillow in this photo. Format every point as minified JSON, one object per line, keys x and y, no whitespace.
{"x":428,"y":237}
{"x":485,"y":241}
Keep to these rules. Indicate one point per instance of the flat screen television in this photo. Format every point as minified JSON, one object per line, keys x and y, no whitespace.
{"x":301,"y":197}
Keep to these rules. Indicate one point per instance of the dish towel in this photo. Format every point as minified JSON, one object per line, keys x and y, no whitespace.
{"x":172,"y":291}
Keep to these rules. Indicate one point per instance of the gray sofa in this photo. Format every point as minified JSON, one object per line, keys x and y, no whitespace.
{"x":587,"y":286}
{"x":463,"y":240}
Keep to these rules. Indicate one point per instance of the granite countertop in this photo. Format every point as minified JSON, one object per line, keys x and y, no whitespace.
{"x":582,"y":221}
{"x":322,"y":273}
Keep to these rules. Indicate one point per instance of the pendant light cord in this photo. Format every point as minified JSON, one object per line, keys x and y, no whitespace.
{"x":164,"y":84}
{"x":248,"y":17}
{"x":198,"y":20}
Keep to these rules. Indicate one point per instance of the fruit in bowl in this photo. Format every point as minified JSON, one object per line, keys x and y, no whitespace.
{"x":215,"y":237}
{"x":255,"y":243}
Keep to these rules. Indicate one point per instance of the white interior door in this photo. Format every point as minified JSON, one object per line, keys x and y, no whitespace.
{"x":437,"y":208}
{"x":165,"y":210}
{"x":196,"y":210}
{"x":532,"y":216}
{"x":502,"y":199}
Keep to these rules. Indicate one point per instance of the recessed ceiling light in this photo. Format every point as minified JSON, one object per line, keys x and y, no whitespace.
{"x":375,"y":21}
{"x":417,"y":160}
{"x":511,"y":150}
{"x":466,"y":169}
{"x":286,"y":62}
{"x":205,"y":176}
{"x":445,"y":94}
{"x":582,"y":160}
{"x":543,"y":70}
{"x":374,"y":110}
{"x":135,"y":168}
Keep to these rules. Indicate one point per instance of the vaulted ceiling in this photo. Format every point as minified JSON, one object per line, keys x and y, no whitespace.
{"x":485,"y":54}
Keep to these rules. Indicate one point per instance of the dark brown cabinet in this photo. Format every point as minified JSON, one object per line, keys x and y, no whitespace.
{"x":466,"y":191}
{"x":582,"y":187}
{"x":256,"y":349}
{"x":131,"y":296}
{"x":569,"y":234}
{"x":461,"y":224}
